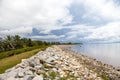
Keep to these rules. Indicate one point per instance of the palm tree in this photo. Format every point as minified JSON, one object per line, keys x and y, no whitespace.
{"x":9,"y":42}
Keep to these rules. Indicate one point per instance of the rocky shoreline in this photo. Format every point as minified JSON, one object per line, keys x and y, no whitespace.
{"x":56,"y":63}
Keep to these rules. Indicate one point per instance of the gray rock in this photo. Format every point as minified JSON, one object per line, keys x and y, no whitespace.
{"x":38,"y":77}
{"x":28,"y":72}
{"x":31,"y":64}
{"x":1,"y":78}
{"x":38,"y":67}
{"x":8,"y":70}
{"x":29,"y":77}
{"x":10,"y":78}
{"x":50,"y":59}
{"x":76,"y":74}
{"x":21,"y":74}
{"x":46,"y":65}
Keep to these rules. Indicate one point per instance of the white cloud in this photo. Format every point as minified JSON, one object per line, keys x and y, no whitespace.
{"x":21,"y":16}
{"x":33,"y":12}
{"x":20,"y":31}
{"x":49,"y":37}
{"x":106,"y":9}
{"x":108,"y":32}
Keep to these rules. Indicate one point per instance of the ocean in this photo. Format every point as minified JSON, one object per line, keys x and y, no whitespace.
{"x":106,"y":53}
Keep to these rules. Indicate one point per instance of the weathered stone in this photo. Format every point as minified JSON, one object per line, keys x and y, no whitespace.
{"x":32,"y":64}
{"x":38,"y":67}
{"x":50,"y":59}
{"x":20,"y":74}
{"x":46,"y":65}
{"x":38,"y":77}
{"x":8,"y":70}
{"x":63,"y":74}
{"x":76,"y":74}
{"x":55,"y":69}
{"x":11,"y":78}
{"x":28,"y":77}
{"x":42,"y":61}
{"x":28,"y":72}
{"x":38,"y":72}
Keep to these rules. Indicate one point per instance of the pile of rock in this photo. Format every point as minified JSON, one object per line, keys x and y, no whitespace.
{"x":51,"y":64}
{"x":105,"y":71}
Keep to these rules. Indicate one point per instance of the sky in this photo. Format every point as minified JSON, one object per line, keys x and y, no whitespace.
{"x":96,"y":21}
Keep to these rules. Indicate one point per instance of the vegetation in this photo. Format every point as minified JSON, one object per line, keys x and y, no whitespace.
{"x":13,"y":60}
{"x":17,"y":51}
{"x":16,"y":42}
{"x":15,"y":48}
{"x":13,"y":45}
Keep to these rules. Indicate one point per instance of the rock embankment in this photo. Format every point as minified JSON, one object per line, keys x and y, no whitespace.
{"x":54,"y":64}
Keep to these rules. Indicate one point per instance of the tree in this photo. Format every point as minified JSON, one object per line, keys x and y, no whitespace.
{"x":17,"y":41}
{"x":29,"y":42}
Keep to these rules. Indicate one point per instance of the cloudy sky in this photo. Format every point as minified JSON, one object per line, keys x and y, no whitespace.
{"x":61,"y":20}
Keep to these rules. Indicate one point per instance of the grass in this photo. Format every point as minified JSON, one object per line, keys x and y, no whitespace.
{"x":53,"y":74}
{"x":15,"y":59}
{"x":104,"y":77}
{"x":17,"y":51}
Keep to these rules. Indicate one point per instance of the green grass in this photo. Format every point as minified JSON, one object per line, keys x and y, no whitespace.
{"x":104,"y":77}
{"x":17,"y":51}
{"x":15,"y":59}
{"x":53,"y":74}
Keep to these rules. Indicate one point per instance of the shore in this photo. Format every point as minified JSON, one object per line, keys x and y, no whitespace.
{"x":106,"y":71}
{"x":59,"y":63}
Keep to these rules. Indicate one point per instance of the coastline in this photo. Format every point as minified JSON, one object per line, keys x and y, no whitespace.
{"x":59,"y":63}
{"x":103,"y":69}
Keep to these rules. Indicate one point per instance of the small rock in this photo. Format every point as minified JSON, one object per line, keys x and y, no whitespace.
{"x":38,"y":78}
{"x":38,"y":67}
{"x":46,"y":65}
{"x":28,"y":72}
{"x":28,"y":77}
{"x":38,"y":72}
{"x":11,"y":78}
{"x":78,"y":79}
{"x":54,"y":69}
{"x":63,"y":74}
{"x":50,"y":59}
{"x":32,"y":64}
{"x":20,"y":74}
{"x":42,"y":61}
{"x":8,"y":70}
{"x":76,"y":74}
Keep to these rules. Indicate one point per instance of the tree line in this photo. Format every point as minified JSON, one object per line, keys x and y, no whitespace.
{"x":16,"y":42}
